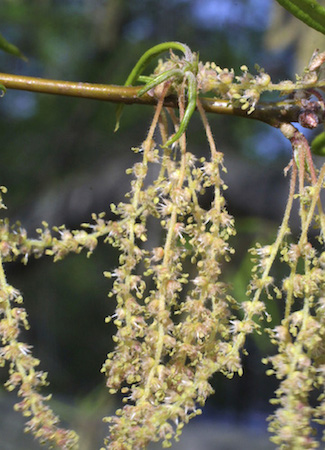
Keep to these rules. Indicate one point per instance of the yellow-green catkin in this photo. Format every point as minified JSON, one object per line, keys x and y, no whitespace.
{"x":23,"y":373}
{"x":300,"y":338}
{"x":176,"y":322}
{"x":175,"y":328}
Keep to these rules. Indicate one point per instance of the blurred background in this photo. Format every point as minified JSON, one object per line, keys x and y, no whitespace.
{"x":61,"y":161}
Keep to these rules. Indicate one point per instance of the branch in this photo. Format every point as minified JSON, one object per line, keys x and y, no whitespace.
{"x":272,"y":113}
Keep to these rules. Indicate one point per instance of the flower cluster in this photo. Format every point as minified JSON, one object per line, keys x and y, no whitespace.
{"x":57,"y":243}
{"x":244,"y":91}
{"x":176,"y":324}
{"x":23,"y":374}
{"x":299,"y":363}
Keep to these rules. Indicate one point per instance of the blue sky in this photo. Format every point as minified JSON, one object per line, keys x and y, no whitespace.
{"x":219,"y":13}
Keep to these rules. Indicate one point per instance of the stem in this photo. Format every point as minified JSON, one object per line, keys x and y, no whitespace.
{"x":281,"y":233}
{"x":272,"y":113}
{"x":315,"y":199}
{"x":207,"y":128}
{"x":314,"y":181}
{"x":213,"y":150}
{"x":167,"y":261}
{"x":139,"y":183}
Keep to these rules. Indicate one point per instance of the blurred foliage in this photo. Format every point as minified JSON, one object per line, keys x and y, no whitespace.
{"x":10,"y":48}
{"x":288,"y":33}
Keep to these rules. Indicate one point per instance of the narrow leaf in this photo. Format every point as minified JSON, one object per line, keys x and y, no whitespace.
{"x":10,"y":48}
{"x":308,"y":11}
{"x":318,"y":144}
{"x":143,"y":62}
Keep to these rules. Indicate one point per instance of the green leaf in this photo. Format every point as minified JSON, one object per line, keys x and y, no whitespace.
{"x":318,"y":144}
{"x":10,"y":48}
{"x":143,"y":62}
{"x":308,"y":11}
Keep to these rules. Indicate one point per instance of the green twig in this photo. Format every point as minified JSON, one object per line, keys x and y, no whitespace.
{"x":272,"y":113}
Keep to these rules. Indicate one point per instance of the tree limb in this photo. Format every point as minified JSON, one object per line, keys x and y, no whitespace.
{"x":272,"y":113}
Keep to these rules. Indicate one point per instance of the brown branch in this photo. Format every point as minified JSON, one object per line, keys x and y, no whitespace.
{"x":272,"y":113}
